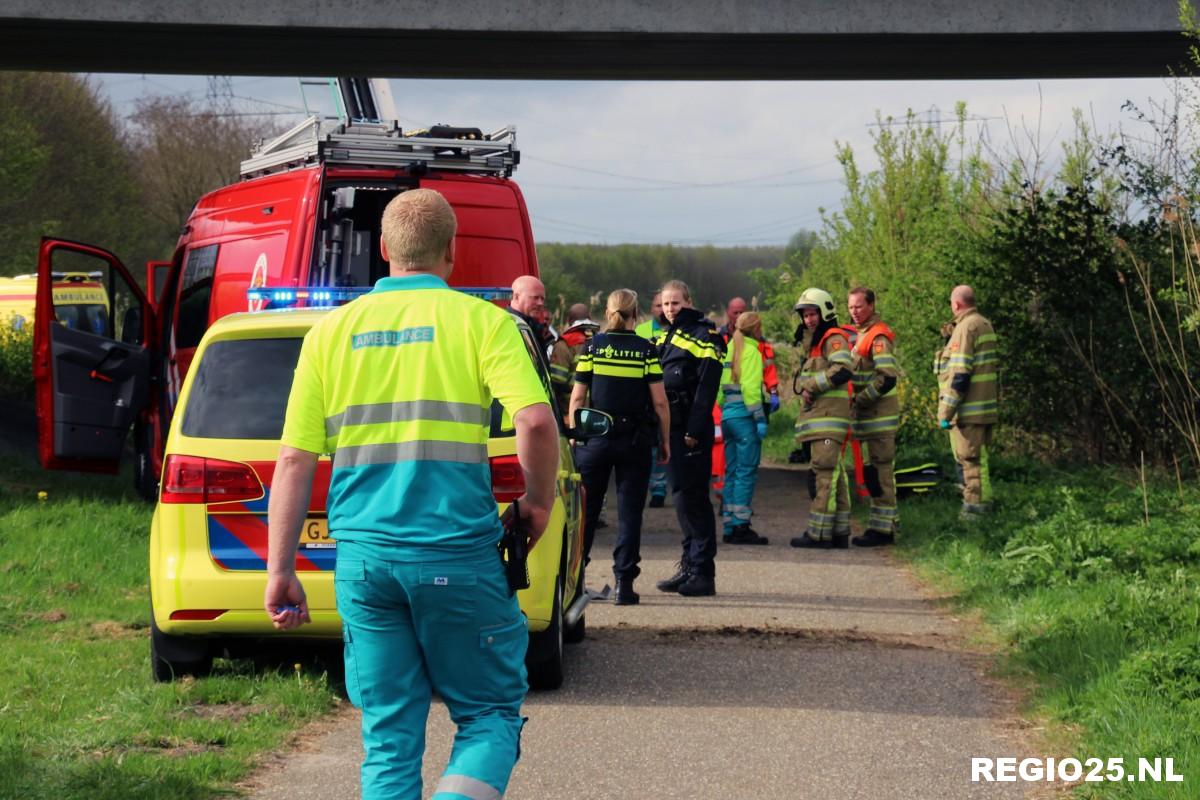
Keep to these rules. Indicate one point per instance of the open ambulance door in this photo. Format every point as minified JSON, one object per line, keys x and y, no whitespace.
{"x":91,"y":369}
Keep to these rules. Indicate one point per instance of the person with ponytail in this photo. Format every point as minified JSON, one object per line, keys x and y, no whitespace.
{"x":621,"y":372}
{"x":743,"y":426}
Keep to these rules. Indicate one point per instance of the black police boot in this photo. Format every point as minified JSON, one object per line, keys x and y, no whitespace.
{"x":625,"y":595}
{"x":873,"y":538}
{"x":699,"y":586}
{"x":673,"y":583}
{"x":744,"y":534}
{"x":841,"y":541}
{"x":806,"y":540}
{"x":657,"y":501}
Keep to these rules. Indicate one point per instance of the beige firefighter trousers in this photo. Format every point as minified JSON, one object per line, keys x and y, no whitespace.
{"x":829,"y":513}
{"x":879,"y":467}
{"x":971,"y":444}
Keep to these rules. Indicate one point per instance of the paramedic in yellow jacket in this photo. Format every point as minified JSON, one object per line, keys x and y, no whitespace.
{"x":824,"y":420}
{"x":743,"y":427}
{"x":398,"y":386}
{"x":967,"y":403}
{"x":876,"y":411}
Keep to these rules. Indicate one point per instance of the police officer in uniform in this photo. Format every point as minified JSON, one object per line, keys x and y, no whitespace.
{"x":651,"y":329}
{"x":692,"y":356}
{"x":421,"y":590}
{"x":621,"y":372}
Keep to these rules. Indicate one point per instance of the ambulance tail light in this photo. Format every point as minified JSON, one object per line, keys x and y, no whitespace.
{"x":508,"y":480}
{"x":192,"y":479}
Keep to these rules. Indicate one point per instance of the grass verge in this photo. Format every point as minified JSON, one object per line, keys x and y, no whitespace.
{"x":79,"y":714}
{"x":1093,"y":588}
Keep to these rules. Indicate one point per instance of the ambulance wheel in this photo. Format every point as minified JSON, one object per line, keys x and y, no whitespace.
{"x":544,"y":659}
{"x":173,"y":657}
{"x":574,"y":634}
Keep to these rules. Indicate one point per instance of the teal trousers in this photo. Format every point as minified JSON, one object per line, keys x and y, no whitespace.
{"x":743,"y":450}
{"x":412,"y":628}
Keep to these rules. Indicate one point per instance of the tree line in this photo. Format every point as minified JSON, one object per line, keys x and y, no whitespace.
{"x":586,"y":273}
{"x":1089,"y":271}
{"x":70,"y":167}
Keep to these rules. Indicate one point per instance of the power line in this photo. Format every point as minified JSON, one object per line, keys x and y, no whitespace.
{"x":727,"y":185}
{"x":669,"y":182}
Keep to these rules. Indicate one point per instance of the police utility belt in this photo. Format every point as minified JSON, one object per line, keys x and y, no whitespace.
{"x":626,"y":425}
{"x":680,"y":400}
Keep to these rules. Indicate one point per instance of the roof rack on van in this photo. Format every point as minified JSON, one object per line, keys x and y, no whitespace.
{"x":384,"y":144}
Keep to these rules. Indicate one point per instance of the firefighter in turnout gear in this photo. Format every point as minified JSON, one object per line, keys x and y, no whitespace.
{"x":824,"y":420}
{"x":620,"y":370}
{"x":875,"y":413}
{"x":564,"y":355}
{"x":691,"y":356}
{"x":967,"y":371}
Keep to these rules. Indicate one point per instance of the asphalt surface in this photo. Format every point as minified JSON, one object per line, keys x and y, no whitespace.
{"x":811,"y":674}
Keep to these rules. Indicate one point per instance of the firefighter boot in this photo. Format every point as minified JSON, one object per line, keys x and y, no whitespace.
{"x":873,"y":538}
{"x":806,"y":540}
{"x":841,"y":541}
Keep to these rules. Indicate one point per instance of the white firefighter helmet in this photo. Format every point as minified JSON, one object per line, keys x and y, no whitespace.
{"x":818,"y":299}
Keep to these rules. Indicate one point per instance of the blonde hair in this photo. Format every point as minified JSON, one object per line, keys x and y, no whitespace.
{"x":748,"y":324}
{"x":621,"y":310}
{"x":678,"y":286}
{"x":417,"y":227}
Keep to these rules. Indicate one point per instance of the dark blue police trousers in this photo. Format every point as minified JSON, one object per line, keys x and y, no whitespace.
{"x":630,"y":456}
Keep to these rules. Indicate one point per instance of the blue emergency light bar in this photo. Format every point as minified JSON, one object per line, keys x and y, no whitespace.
{"x":325,"y":296}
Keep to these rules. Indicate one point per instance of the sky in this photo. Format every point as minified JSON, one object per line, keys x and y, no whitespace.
{"x":691,"y":163}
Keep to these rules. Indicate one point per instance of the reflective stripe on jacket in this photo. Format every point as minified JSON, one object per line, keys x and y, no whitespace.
{"x":744,"y":398}
{"x":877,"y":412}
{"x":398,"y":385}
{"x":829,"y":415}
{"x":971,"y":352}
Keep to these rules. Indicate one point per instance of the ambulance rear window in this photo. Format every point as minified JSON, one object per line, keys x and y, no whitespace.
{"x":241,"y":389}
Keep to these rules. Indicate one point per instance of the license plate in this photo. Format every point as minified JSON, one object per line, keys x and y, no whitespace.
{"x":315,"y":534}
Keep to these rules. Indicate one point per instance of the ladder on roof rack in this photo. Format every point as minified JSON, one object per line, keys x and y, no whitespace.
{"x":368,"y":144}
{"x":360,"y":135}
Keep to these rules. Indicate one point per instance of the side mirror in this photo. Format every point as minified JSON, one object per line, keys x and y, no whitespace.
{"x":590,"y":424}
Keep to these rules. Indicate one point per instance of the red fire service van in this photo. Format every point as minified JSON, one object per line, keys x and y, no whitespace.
{"x":303,"y":221}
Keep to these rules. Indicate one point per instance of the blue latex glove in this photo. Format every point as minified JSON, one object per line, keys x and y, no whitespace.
{"x":761,"y":429}
{"x":773,"y":402}
{"x":944,"y":424}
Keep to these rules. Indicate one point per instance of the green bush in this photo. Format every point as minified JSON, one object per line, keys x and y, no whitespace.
{"x":16,"y":362}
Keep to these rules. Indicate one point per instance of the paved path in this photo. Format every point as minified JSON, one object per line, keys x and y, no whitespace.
{"x":812,"y":674}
